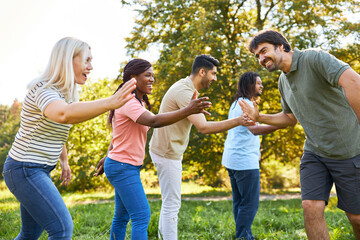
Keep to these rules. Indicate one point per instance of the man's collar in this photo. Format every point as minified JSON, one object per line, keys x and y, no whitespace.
{"x":192,"y":83}
{"x":295,"y":59}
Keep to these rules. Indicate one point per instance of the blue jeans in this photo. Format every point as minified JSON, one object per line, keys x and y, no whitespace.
{"x":41,"y":205}
{"x":130,"y":200}
{"x":245,"y":186}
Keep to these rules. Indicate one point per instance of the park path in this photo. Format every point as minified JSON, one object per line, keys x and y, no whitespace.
{"x":263,"y":197}
{"x":285,"y":196}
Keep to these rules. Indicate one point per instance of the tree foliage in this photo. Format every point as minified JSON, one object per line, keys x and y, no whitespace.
{"x":9,"y":125}
{"x":182,"y":29}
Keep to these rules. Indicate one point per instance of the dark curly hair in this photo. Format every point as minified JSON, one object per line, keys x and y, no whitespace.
{"x":246,"y":85}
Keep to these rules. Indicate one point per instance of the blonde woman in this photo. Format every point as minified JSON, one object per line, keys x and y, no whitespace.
{"x":50,"y":107}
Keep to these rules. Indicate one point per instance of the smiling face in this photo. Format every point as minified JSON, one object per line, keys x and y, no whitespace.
{"x":144,"y":82}
{"x":258,"y":87}
{"x":208,"y":77}
{"x":82,"y":67}
{"x":270,"y":56}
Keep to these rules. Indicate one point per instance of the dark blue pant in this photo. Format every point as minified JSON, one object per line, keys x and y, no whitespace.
{"x":130,"y":200}
{"x":41,"y":204}
{"x":245,"y":186}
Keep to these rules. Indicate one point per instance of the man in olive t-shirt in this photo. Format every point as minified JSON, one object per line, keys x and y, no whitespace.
{"x":323,"y":94}
{"x":168,"y":144}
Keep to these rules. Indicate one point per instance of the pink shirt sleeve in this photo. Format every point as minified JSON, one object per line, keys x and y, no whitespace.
{"x":132,"y":109}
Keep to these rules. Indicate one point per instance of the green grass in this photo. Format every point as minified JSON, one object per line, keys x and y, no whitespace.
{"x":208,"y":220}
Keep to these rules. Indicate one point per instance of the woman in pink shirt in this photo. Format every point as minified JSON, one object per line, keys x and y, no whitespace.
{"x":126,"y":152}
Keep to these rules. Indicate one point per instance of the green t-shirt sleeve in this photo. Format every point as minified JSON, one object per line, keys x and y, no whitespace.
{"x":285,"y":107}
{"x":328,"y":66}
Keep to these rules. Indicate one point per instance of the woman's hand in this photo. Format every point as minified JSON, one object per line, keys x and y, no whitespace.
{"x":100,"y":167}
{"x":123,"y":95}
{"x":65,"y":172}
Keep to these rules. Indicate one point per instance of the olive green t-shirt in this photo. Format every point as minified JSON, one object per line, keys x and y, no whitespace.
{"x":310,"y":91}
{"x":171,"y":141}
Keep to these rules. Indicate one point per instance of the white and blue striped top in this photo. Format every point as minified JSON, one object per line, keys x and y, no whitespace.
{"x":39,"y":139}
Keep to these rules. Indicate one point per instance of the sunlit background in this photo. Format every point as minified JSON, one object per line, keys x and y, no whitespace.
{"x":29,"y":30}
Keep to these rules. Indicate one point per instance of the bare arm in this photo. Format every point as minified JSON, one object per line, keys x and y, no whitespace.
{"x":61,"y":112}
{"x":65,"y":168}
{"x":205,"y":127}
{"x":350,"y":81}
{"x":163,"y":119}
{"x":262,"y":129}
{"x":279,"y":119}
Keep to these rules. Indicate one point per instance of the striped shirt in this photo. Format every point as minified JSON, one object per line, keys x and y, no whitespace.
{"x":39,"y":139}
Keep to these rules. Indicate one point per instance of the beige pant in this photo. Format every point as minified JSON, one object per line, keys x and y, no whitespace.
{"x":169,"y":174}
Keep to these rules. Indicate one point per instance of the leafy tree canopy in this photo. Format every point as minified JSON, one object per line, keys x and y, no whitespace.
{"x":182,"y":29}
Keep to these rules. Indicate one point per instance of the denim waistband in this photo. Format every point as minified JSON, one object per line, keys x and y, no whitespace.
{"x":11,"y":163}
{"x":112,"y":161}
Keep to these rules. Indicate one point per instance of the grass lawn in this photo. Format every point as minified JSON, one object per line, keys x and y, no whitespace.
{"x":211,"y":220}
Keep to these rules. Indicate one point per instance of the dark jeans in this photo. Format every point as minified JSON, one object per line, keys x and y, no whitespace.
{"x":130,"y":200}
{"x":41,"y":204}
{"x":245,"y":186}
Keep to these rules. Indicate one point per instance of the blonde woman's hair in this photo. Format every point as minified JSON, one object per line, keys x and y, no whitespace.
{"x":59,"y":72}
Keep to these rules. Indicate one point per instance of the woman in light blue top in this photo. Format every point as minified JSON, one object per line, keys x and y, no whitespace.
{"x":241,"y":157}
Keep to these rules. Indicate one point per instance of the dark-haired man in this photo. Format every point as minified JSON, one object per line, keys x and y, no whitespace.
{"x":168,"y":144}
{"x":323,"y":94}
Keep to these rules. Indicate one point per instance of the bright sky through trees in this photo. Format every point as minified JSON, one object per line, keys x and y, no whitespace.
{"x":29,"y":30}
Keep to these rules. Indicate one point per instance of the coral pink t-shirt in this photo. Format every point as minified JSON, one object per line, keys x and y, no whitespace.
{"x":129,"y":137}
